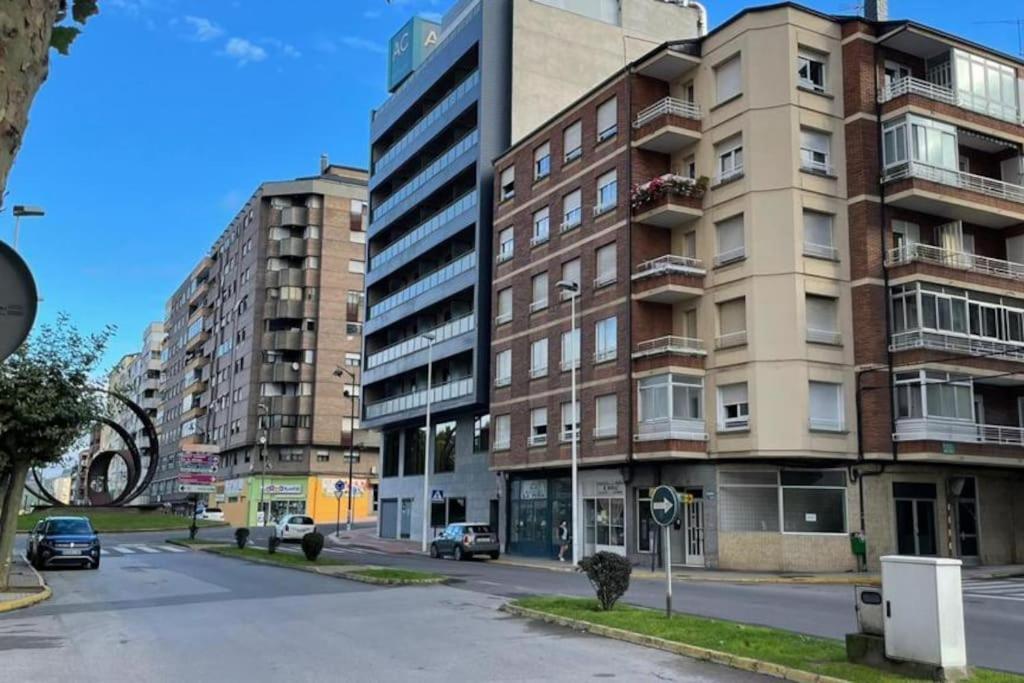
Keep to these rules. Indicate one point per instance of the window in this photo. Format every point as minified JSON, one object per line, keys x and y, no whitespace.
{"x":541,"y":227}
{"x":730,"y":159}
{"x":542,"y":161}
{"x":538,"y":427}
{"x":730,"y":238}
{"x":811,"y":68}
{"x":539,"y":358}
{"x":354,"y":306}
{"x":444,"y":446}
{"x":607,"y":193}
{"x":823,"y":320}
{"x":570,"y":273}
{"x":818,"y":240}
{"x":606,"y":265}
{"x":504,"y":306}
{"x":690,"y":167}
{"x":570,"y":420}
{"x":351,"y":359}
{"x":733,"y":410}
{"x":931,"y":394}
{"x":501,"y":432}
{"x":607,"y":116}
{"x":728,"y":79}
{"x":539,"y":285}
{"x":826,"y":406}
{"x":415,"y":450}
{"x":606,"y":339}
{"x":606,"y":416}
{"x":814,"y":151}
{"x":355,"y":266}
{"x":748,"y":501}
{"x":508,"y":183}
{"x":571,"y":349}
{"x":481,"y":433}
{"x":572,"y":210}
{"x":572,"y":142}
{"x":671,"y":403}
{"x":924,"y":141}
{"x":503,"y":368}
{"x":986,"y":85}
{"x":905,"y":233}
{"x":506,"y":244}
{"x":813,"y":501}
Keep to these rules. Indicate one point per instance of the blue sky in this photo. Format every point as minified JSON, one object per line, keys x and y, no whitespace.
{"x":168,"y":113}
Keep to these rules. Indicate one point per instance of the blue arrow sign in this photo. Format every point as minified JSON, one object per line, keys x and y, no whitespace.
{"x":664,"y":505}
{"x":339,"y":486}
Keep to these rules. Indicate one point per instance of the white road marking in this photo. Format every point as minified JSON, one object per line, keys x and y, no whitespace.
{"x":146,"y":549}
{"x":103,"y":551}
{"x":172,"y":549}
{"x":123,"y":550}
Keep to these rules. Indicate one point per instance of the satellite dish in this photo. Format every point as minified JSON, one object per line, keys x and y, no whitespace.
{"x":18,"y":301}
{"x":295,"y":366}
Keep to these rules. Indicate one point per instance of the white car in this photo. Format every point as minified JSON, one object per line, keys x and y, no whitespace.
{"x":212,"y":514}
{"x":294,"y":527}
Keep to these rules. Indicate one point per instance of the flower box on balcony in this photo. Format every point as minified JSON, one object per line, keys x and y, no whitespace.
{"x":668,"y":185}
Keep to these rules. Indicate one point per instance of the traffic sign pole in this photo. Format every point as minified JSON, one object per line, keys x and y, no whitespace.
{"x":668,"y":573}
{"x":665,"y":506}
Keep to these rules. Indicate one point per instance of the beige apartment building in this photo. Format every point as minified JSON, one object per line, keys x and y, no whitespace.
{"x":718,"y":203}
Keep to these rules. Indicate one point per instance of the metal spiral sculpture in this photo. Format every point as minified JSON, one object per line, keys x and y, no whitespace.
{"x":98,"y":472}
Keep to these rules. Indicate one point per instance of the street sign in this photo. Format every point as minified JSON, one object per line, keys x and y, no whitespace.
{"x":437,"y":496}
{"x":339,"y":487}
{"x":18,"y":300}
{"x":197,"y":488}
{"x":196,"y":479}
{"x":665,"y":505}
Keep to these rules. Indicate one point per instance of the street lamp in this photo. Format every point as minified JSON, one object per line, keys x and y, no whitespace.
{"x":27,"y":211}
{"x":261,"y":410}
{"x":338,"y":372}
{"x":430,"y":338}
{"x":573,"y":289}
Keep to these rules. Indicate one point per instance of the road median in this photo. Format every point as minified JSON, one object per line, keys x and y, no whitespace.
{"x":380,"y":576}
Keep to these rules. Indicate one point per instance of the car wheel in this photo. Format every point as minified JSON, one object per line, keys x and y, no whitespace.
{"x":495,"y":555}
{"x":94,"y":565}
{"x":458,"y":554}
{"x":433,"y":551}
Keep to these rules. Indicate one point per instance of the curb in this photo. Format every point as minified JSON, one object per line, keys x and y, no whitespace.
{"x":196,"y":546}
{"x":337,"y":575}
{"x":27,"y":601}
{"x":694,"y":652}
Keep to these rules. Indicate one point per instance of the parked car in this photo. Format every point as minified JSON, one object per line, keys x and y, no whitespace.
{"x":464,"y":540}
{"x":212,"y":514}
{"x":294,"y":527}
{"x":63,"y":541}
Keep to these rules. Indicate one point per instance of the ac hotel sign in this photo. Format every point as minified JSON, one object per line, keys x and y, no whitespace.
{"x":408,"y":48}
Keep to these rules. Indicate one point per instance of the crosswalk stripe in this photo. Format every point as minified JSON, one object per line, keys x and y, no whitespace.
{"x":103,"y":551}
{"x":172,"y":549}
{"x":123,"y":550}
{"x":146,"y":549}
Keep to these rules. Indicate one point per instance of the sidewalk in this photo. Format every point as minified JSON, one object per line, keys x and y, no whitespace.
{"x":367,"y":540}
{"x":26,"y":587}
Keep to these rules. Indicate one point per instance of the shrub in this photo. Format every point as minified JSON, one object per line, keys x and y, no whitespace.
{"x":312,"y":545}
{"x":609,"y":575}
{"x":241,"y":537}
{"x":272,"y":544}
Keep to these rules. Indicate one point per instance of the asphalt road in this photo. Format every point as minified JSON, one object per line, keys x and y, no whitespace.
{"x":152,"y":614}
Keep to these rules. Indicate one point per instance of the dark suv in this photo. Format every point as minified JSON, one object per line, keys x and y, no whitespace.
{"x":63,"y":540}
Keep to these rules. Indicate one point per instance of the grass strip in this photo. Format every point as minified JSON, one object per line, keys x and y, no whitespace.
{"x":285,"y":559}
{"x":186,"y":541}
{"x":807,"y":653}
{"x":397,"y":575}
{"x":109,"y":521}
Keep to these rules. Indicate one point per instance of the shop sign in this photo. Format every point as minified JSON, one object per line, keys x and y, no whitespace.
{"x":283,"y":489}
{"x":610,"y":489}
{"x":330,"y":486}
{"x":533,"y":489}
{"x":233,"y":487}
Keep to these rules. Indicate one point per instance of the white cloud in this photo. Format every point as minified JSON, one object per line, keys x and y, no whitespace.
{"x":286,"y":49}
{"x":358,"y":43}
{"x":243,"y":51}
{"x":203,"y":29}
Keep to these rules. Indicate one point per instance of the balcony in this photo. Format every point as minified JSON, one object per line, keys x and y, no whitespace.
{"x":671,"y":429}
{"x":197,"y":340}
{"x":285,"y":308}
{"x":910,"y":88}
{"x":283,"y":371}
{"x":959,"y":344}
{"x":682,"y":346}
{"x":294,"y":247}
{"x":669,"y":200}
{"x":960,"y":431}
{"x":294,"y":215}
{"x":197,"y":289}
{"x":418,"y":399}
{"x":289,"y":340}
{"x":974,"y":198}
{"x":667,"y":126}
{"x":955,"y":260}
{"x":668,"y":279}
{"x":286,"y":277}
{"x":290,"y":405}
{"x":425,"y":229}
{"x":196,"y":386}
{"x":427,"y":282}
{"x":407,"y":347}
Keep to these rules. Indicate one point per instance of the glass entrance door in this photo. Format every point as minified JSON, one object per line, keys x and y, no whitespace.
{"x":915,"y":518}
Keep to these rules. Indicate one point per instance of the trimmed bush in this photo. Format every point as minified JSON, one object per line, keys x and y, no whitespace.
{"x":272,"y":544}
{"x":242,"y":537}
{"x":609,"y":575}
{"x":312,"y":545}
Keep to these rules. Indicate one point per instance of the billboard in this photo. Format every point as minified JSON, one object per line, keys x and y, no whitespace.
{"x":408,"y":48}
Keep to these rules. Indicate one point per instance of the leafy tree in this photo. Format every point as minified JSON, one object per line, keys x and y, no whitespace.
{"x":29,"y":28}
{"x":47,"y":398}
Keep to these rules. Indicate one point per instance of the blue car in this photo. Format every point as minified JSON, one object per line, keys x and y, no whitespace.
{"x":63,"y":541}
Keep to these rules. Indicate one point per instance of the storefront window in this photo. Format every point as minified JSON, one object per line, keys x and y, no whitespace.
{"x":801,"y":501}
{"x":645,"y":527}
{"x":444,"y":447}
{"x":604,"y":522}
{"x":415,"y":446}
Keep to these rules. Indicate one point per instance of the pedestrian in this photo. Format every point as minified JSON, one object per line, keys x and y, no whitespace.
{"x":563,"y":540}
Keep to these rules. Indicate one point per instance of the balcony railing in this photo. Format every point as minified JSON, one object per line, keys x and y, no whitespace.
{"x":963,"y":431}
{"x":956,"y":343}
{"x":418,"y":343}
{"x":680,"y":429}
{"x":824,"y":336}
{"x":426,"y":283}
{"x":668,"y":264}
{"x":989,"y":187}
{"x":926,"y":253}
{"x":732,"y":339}
{"x":825,"y":251}
{"x":537,"y":440}
{"x":731,"y":255}
{"x":670,"y":344}
{"x":668,"y":105}
{"x":418,"y":399}
{"x":932,"y":91}
{"x":421,"y":231}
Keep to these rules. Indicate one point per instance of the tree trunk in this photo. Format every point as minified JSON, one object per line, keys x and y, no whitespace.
{"x":25,"y":28}
{"x":9,"y":518}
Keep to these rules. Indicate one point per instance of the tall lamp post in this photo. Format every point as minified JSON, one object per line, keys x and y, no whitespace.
{"x":573,"y":290}
{"x":27,"y":211}
{"x":261,"y":410}
{"x":339,"y":372}
{"x":430,"y":338}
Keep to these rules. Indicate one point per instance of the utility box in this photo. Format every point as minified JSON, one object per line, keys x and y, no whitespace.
{"x":870,"y":615}
{"x":924,"y":611}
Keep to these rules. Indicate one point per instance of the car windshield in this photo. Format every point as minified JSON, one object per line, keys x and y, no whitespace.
{"x":302,"y":520}
{"x":69,"y":526}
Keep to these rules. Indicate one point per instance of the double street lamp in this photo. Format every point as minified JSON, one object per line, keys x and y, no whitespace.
{"x":572,"y":288}
{"x":27,"y":211}
{"x":351,"y":393}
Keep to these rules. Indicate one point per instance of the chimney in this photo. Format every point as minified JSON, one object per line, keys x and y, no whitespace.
{"x":876,"y":10}
{"x":324,"y":163}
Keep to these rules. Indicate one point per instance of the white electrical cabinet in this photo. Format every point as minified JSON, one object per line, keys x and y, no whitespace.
{"x":924,"y":610}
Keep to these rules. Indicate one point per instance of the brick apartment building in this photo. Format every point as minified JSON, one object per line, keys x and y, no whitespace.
{"x":734,"y":230}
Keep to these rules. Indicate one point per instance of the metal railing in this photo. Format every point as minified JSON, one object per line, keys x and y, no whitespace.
{"x":537,"y":440}
{"x":687,"y":346}
{"x":732,"y":339}
{"x":421,"y":231}
{"x":964,"y":431}
{"x":427,"y":282}
{"x":605,"y":355}
{"x":821,"y":251}
{"x":956,"y":343}
{"x":725,"y":176}
{"x":669,"y":428}
{"x":909,"y":85}
{"x":573,"y":219}
{"x":418,"y":399}
{"x":418,"y":343}
{"x":669,"y":263}
{"x":503,"y":380}
{"x":538,"y":372}
{"x":824,"y":336}
{"x":926,"y":253}
{"x":825,"y":425}
{"x":538,"y":305}
{"x":816,"y":167}
{"x":668,"y":105}
{"x":971,"y":182}
{"x":731,"y":255}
